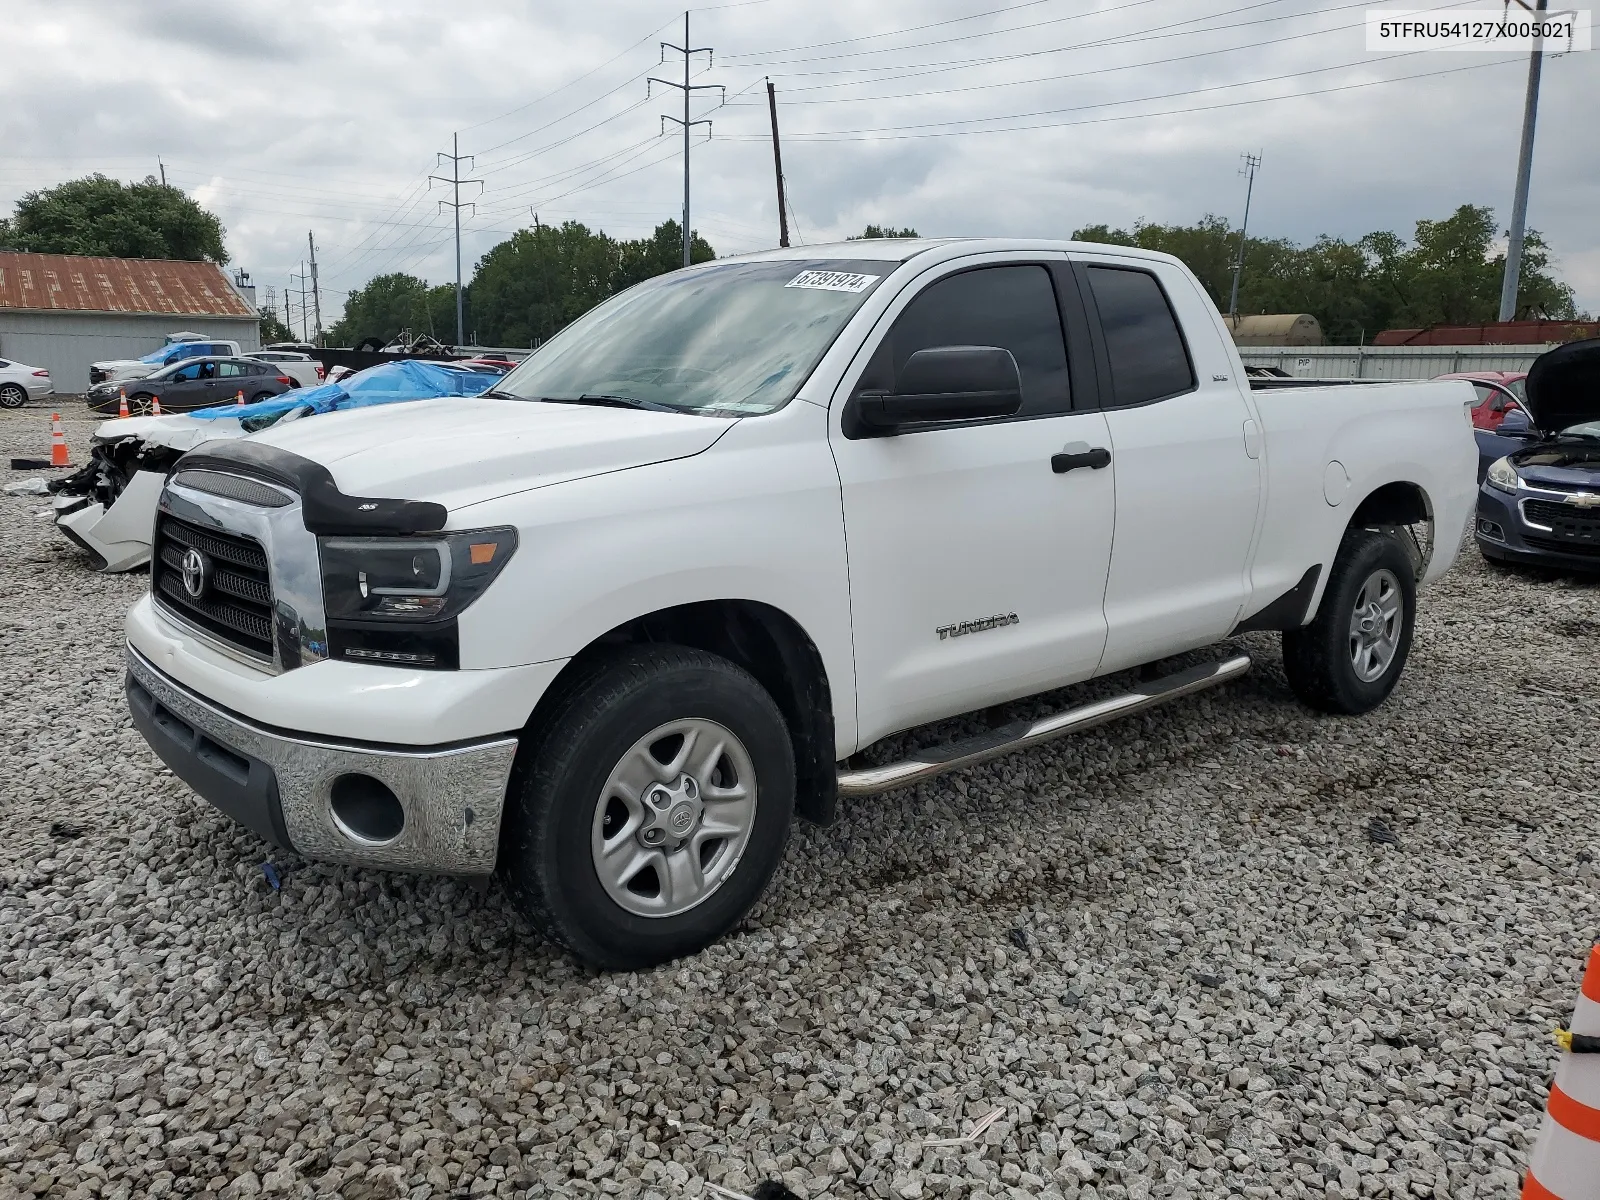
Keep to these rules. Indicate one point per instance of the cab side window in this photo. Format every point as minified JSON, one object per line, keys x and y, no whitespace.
{"x":1009,"y":306}
{"x":1149,"y":360}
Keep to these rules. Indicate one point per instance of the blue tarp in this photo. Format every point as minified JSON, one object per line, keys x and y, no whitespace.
{"x":391,"y":383}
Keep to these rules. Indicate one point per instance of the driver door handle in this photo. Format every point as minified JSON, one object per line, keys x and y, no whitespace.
{"x":1096,"y":458}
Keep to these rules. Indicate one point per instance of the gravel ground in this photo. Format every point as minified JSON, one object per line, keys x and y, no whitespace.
{"x":1225,"y":949}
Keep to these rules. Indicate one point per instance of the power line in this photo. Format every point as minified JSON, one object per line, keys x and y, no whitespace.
{"x":936,"y":129}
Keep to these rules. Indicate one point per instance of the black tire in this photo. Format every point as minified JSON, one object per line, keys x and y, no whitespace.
{"x":260,"y":396}
{"x":1317,"y":658}
{"x":547,"y":852}
{"x":13,"y":395}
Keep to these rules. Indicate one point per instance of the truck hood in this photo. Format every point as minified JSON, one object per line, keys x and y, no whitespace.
{"x":458,"y":451}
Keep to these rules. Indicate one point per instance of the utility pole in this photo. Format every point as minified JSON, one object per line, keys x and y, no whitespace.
{"x":163,"y":167}
{"x":288,"y":320}
{"x":777,"y":164}
{"x":456,"y":159}
{"x":688,"y":90}
{"x":1252,"y":163}
{"x":316,"y":295}
{"x":303,"y":277}
{"x":1519,"y":203}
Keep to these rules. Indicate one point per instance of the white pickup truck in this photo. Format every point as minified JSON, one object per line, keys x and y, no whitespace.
{"x":611,"y":626}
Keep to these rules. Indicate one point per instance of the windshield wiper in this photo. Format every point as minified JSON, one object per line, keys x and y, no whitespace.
{"x":497,"y":394}
{"x":610,"y":402}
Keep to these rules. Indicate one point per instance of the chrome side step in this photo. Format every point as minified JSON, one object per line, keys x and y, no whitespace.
{"x":1021,"y":735}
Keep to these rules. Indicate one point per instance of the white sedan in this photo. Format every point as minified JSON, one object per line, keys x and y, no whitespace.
{"x":20,"y":383}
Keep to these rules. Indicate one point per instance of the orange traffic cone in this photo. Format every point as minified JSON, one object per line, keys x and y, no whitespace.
{"x":239,"y":403}
{"x":58,"y":443}
{"x":155,"y":406}
{"x":1566,"y":1158}
{"x":122,"y":402}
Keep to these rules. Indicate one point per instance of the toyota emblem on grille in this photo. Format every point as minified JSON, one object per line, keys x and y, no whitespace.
{"x":196,"y":573}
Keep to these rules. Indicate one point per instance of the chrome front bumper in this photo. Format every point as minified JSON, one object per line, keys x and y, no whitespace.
{"x":279,"y":784}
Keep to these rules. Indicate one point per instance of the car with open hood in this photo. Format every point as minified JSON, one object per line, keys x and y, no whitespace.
{"x":1540,"y":502}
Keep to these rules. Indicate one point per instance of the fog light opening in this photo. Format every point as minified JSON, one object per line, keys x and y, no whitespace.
{"x":365,"y":810}
{"x":1490,"y":529}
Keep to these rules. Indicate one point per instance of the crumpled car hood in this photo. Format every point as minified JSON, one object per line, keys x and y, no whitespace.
{"x":458,"y":451}
{"x":175,"y":432}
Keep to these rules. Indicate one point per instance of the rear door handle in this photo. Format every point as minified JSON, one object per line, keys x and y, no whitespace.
{"x":1095,"y":458}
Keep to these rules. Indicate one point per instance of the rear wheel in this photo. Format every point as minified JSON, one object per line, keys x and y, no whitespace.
{"x":13,"y":395}
{"x":1350,"y":657}
{"x":649,"y":814}
{"x":260,"y":396}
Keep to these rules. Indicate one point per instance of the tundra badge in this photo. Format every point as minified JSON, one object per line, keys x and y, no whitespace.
{"x":966,"y":627}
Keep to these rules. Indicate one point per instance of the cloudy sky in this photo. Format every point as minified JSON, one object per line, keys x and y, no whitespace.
{"x":957,"y":117}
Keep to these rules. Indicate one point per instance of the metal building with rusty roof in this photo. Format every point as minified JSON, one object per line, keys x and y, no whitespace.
{"x":65,"y":311}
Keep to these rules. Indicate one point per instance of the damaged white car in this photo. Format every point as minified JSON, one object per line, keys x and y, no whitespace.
{"x":109,"y":506}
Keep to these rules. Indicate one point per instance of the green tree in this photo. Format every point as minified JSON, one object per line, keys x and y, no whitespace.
{"x":883,"y":231}
{"x":103,"y":216}
{"x":394,"y":302}
{"x":538,"y":280}
{"x":1445,"y":275}
{"x":274,"y":330}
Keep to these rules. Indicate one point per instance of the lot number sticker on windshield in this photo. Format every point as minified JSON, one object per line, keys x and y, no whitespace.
{"x":832,"y":281}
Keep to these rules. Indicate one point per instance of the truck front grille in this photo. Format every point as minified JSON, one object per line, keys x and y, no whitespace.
{"x":234,"y":603}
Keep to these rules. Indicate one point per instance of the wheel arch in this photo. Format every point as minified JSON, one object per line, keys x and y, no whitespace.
{"x":763,"y":640}
{"x":1402,"y":507}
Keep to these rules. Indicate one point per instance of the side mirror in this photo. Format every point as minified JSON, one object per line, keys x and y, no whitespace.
{"x":947,"y":383}
{"x":1515,"y":424}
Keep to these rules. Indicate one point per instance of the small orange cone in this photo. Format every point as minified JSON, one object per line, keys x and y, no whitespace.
{"x":240,"y":401}
{"x":58,"y":443}
{"x":1566,"y":1158}
{"x":122,"y":402}
{"x":155,"y":406}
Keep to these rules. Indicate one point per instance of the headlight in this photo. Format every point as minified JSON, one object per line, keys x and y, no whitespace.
{"x":1502,"y":475}
{"x":394,"y":600}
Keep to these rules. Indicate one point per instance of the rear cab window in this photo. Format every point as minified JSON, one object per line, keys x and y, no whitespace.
{"x":1149,"y":358}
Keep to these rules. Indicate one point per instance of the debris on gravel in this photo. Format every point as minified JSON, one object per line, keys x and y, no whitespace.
{"x":1174,"y":953}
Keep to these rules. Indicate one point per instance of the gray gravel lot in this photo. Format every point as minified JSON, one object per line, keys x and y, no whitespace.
{"x":1176,"y":952}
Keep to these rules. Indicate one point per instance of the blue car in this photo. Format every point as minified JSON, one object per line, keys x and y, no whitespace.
{"x":1539,"y":499}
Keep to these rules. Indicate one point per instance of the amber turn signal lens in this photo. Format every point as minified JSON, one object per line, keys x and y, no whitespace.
{"x":482,"y":552}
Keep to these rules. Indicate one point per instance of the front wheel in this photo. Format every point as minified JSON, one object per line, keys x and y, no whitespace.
{"x":649,"y":814}
{"x":140,"y":404}
{"x":1350,"y":657}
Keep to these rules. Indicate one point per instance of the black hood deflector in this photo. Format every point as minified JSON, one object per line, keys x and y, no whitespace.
{"x":325,"y":509}
{"x":1563,"y":386}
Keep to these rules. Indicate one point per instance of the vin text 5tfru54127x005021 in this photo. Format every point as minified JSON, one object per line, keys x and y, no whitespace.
{"x":610,"y":626}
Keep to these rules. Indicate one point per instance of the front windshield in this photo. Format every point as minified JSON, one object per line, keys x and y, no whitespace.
{"x":730,"y":339}
{"x":1588,"y":430}
{"x":162,"y":355}
{"x":1518,"y":388}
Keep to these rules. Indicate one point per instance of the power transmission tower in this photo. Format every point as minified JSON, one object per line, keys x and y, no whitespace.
{"x":1252,"y":163}
{"x":688,"y":90}
{"x":316,"y":295}
{"x":1519,"y":202}
{"x":456,"y":159}
{"x":777,"y":164}
{"x":304,"y":278}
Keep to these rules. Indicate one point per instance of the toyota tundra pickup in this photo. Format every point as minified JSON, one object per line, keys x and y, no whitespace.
{"x":611,"y":626}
